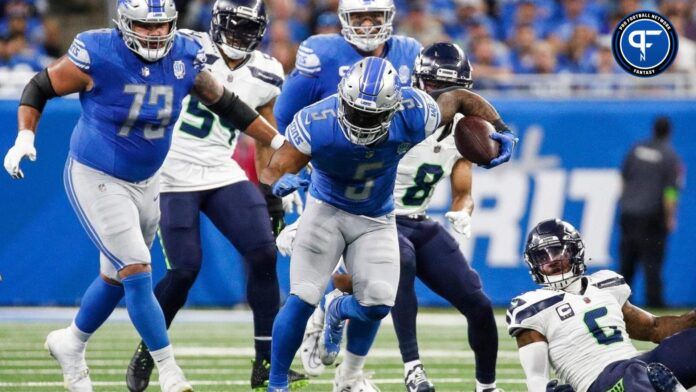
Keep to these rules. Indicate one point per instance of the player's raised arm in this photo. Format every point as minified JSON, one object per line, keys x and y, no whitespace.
{"x":533,"y":350}
{"x":231,"y":108}
{"x":61,"y":78}
{"x":642,"y":325}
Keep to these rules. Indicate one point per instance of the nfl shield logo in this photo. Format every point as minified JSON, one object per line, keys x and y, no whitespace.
{"x":179,"y":69}
{"x":145,"y":72}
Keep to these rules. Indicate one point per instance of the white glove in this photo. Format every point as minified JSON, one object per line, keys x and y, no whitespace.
{"x":461,"y":222}
{"x":286,"y":238}
{"x":293,"y":202}
{"x":24,"y":146}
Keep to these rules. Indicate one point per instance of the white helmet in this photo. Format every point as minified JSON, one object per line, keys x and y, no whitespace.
{"x":370,"y":95}
{"x":378,"y":35}
{"x":150,"y":48}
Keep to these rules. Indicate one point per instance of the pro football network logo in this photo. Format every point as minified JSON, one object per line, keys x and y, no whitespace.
{"x":645,"y":43}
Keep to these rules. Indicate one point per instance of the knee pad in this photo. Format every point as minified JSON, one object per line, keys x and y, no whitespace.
{"x":377,"y":312}
{"x":662,"y":379}
{"x":379,"y":292}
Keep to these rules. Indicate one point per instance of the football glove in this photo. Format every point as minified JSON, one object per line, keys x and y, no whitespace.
{"x":286,"y":238}
{"x":507,"y":141}
{"x":461,"y":222}
{"x":275,"y":209}
{"x":289,"y":183}
{"x":293,"y":202}
{"x":23,"y":147}
{"x":553,"y":386}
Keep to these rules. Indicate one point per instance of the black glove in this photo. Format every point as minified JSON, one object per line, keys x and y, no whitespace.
{"x":275,"y":209}
{"x":553,"y":386}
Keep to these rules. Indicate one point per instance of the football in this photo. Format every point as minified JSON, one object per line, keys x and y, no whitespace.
{"x":472,"y":137}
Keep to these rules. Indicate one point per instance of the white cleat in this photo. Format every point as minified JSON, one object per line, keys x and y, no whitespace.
{"x":358,"y":383}
{"x":70,"y":354}
{"x":309,"y":350}
{"x":171,"y":379}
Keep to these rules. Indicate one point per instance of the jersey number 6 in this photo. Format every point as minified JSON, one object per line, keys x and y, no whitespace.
{"x":597,"y":331}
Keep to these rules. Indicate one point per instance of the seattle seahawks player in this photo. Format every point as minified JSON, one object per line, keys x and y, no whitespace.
{"x":199,"y":176}
{"x":427,"y":250}
{"x":354,"y":140}
{"x":131,"y":81}
{"x":582,"y":324}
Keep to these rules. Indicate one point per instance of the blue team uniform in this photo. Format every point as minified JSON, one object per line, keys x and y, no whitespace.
{"x":323,"y":59}
{"x":125,"y":128}
{"x":359,"y":179}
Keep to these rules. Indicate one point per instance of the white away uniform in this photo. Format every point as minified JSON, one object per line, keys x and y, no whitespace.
{"x":201,"y":154}
{"x":421,"y":169}
{"x":585,"y":332}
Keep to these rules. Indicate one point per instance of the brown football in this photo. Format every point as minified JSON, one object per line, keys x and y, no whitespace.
{"x":472,"y":137}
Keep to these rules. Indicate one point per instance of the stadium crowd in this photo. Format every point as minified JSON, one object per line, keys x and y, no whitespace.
{"x":502,"y":36}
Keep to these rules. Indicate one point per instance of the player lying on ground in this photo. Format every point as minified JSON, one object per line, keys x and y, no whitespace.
{"x":427,"y":250}
{"x":199,"y":176}
{"x":131,"y":81}
{"x":354,"y":140}
{"x":582,"y":325}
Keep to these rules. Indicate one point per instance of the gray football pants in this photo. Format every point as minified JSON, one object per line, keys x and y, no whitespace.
{"x":120,"y":217}
{"x":369,"y":246}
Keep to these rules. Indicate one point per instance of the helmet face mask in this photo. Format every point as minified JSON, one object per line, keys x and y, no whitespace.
{"x":238,"y":27}
{"x":555,"y":254}
{"x":354,"y":13}
{"x":134,"y":15}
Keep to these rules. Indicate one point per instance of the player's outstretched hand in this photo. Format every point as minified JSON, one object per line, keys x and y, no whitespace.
{"x":23,"y":147}
{"x":289,"y":183}
{"x":461,"y":222}
{"x":507,"y":141}
{"x":293,"y":202}
{"x":553,"y":386}
{"x":286,"y":238}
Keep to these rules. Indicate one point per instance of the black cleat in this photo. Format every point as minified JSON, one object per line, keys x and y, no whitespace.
{"x":261,"y":371}
{"x":139,"y":369}
{"x":417,"y":381}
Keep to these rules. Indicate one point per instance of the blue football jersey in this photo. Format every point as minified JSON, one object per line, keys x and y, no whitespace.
{"x":125,"y":128}
{"x":360,"y":179}
{"x":323,"y":59}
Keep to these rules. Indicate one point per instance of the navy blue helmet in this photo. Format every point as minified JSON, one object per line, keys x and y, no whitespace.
{"x":555,"y":254}
{"x":238,"y":26}
{"x":442,"y":65}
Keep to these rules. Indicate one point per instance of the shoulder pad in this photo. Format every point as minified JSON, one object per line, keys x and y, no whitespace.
{"x":528,"y":305}
{"x":85,"y":47}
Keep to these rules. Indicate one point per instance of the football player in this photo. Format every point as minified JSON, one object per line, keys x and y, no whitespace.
{"x":427,"y":249}
{"x":582,"y":325}
{"x":131,"y":80}
{"x":354,"y":140}
{"x":199,"y":176}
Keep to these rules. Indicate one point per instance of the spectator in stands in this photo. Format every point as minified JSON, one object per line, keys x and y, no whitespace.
{"x":485,"y":60}
{"x":522,"y":41}
{"x":579,"y":50}
{"x":574,"y":13}
{"x":23,"y":57}
{"x":4,"y":56}
{"x":466,"y":14}
{"x":686,"y":55}
{"x":19,"y":19}
{"x":52,"y":46}
{"x":198,"y":15}
{"x":328,"y":23}
{"x":528,"y":14}
{"x":603,"y":60}
{"x":282,"y":10}
{"x":421,"y":26}
{"x":544,"y":60}
{"x":651,"y":184}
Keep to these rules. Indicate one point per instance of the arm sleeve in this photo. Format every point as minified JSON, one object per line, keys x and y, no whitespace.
{"x":534,"y":358}
{"x":298,"y":135}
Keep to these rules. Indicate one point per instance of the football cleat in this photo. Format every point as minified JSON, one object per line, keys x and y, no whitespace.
{"x":309,"y":350}
{"x":139,"y":369}
{"x":662,"y":379}
{"x":358,"y":383}
{"x":493,"y":390}
{"x":332,"y":334}
{"x":171,"y":379}
{"x":417,"y":381}
{"x":70,"y":354}
{"x":261,"y":371}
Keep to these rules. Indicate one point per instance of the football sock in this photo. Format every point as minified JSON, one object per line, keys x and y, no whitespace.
{"x":263,"y":295}
{"x":352,"y":364}
{"x":405,"y":307}
{"x":163,"y":356}
{"x":144,"y":311}
{"x":288,"y":330}
{"x":172,"y":291}
{"x":97,"y":303}
{"x":483,"y":333}
{"x":410,"y":365}
{"x":480,"y":387}
{"x":360,"y":335}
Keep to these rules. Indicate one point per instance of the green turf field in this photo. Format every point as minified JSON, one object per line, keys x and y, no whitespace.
{"x":216,"y":355}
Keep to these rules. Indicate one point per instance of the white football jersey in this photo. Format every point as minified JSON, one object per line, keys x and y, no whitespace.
{"x":202,"y":145}
{"x":419,"y":171}
{"x":585,"y":332}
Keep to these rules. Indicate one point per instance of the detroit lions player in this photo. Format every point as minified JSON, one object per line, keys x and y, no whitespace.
{"x":199,"y":176}
{"x":582,"y":325}
{"x":354,"y":140}
{"x":427,"y":250}
{"x":131,"y":81}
